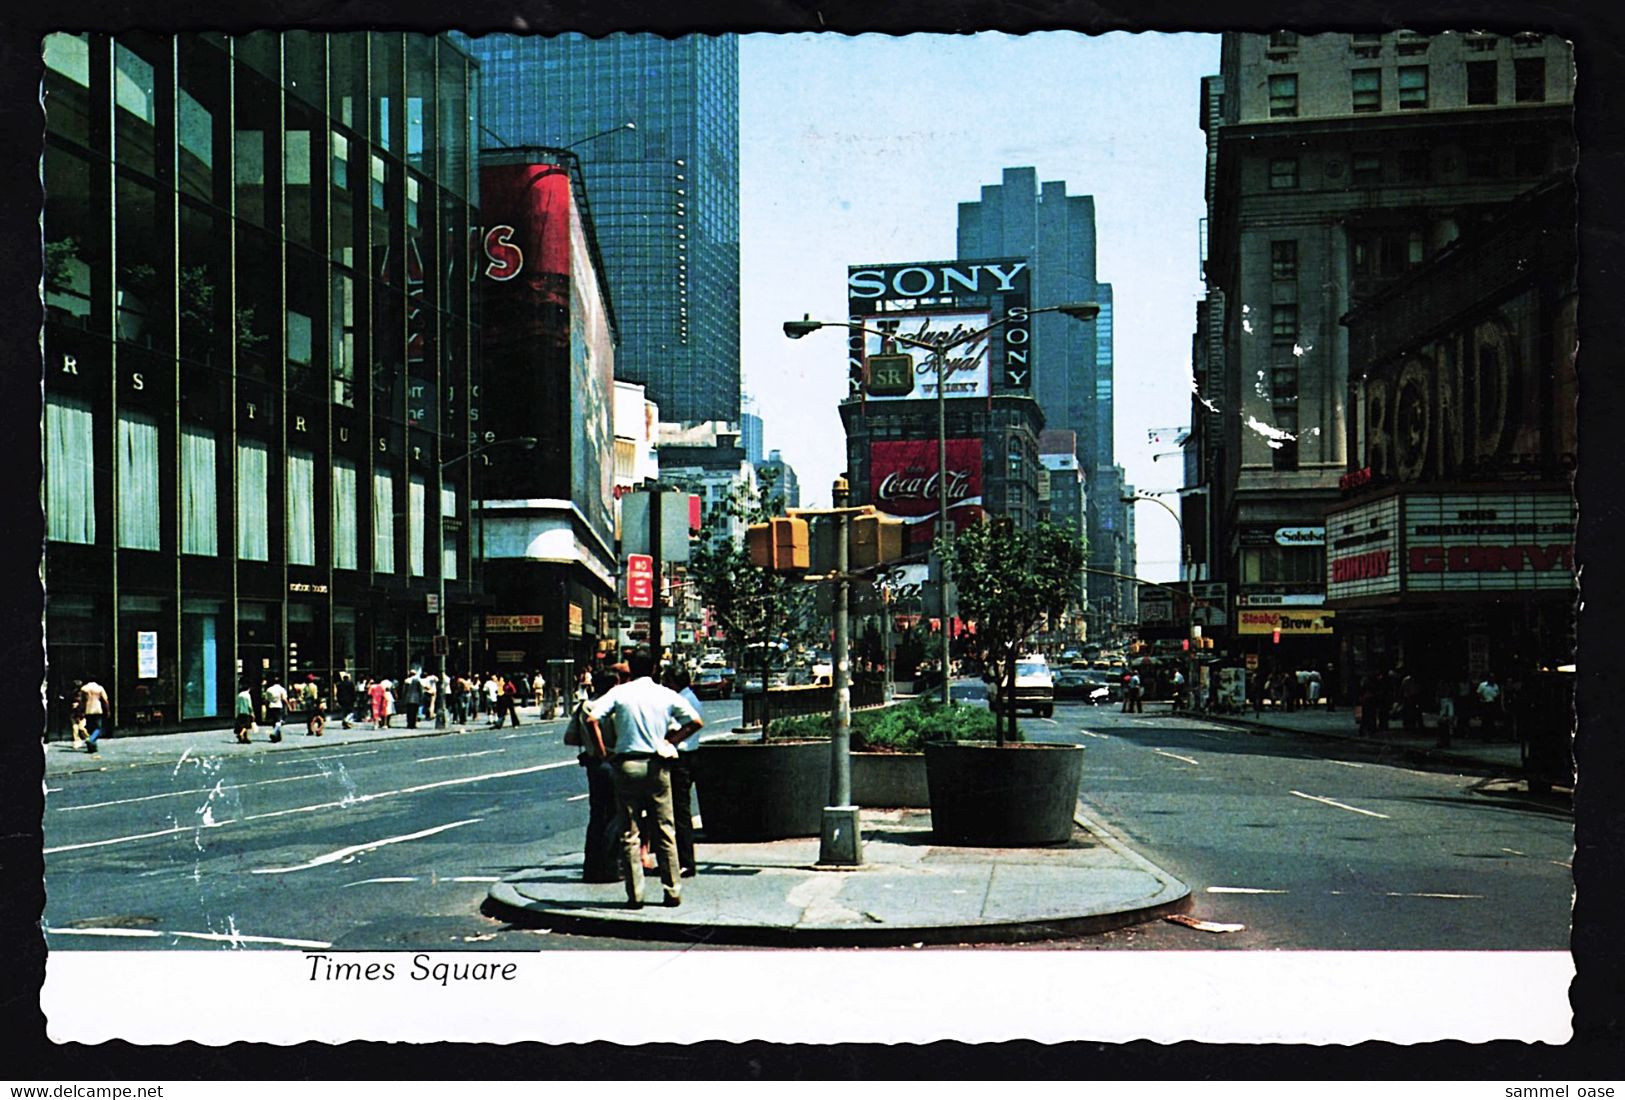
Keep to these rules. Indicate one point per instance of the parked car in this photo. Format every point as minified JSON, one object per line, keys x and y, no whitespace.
{"x":1035,"y":688}
{"x":1072,"y":683}
{"x":712,"y":684}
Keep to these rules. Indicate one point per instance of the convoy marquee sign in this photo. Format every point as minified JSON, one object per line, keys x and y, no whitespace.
{"x":947,"y":297}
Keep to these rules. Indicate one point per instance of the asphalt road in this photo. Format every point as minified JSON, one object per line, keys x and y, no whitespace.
{"x":391,"y":845}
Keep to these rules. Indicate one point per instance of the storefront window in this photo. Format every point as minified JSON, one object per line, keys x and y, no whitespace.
{"x":253,"y":500}
{"x":301,"y":508}
{"x":199,"y":500}
{"x":204,"y":687}
{"x":383,"y":521}
{"x":70,"y":472}
{"x":416,"y":516}
{"x":345,"y":528}
{"x":138,"y":508}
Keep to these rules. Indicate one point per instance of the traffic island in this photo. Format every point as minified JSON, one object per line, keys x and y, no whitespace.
{"x":909,"y":889}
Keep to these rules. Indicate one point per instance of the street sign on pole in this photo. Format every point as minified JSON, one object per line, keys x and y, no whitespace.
{"x":640,"y":580}
{"x":432,"y":601}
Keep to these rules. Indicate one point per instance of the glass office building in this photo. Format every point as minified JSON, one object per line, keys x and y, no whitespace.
{"x":665,"y":195}
{"x":259,"y":355}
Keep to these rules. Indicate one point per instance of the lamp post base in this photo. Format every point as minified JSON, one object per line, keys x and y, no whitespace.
{"x":841,"y":841}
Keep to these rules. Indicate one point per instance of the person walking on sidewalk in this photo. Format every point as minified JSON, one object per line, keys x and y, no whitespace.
{"x":93,"y":704}
{"x":275,"y":697}
{"x":412,"y":698}
{"x":648,"y":719}
{"x":682,"y":775}
{"x":344,"y":696}
{"x":508,"y":702}
{"x":243,"y":723}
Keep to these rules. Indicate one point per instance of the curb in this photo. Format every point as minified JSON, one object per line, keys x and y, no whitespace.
{"x":504,"y":903}
{"x":1467,"y":764}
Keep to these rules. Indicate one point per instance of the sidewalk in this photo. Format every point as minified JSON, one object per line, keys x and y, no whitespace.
{"x":63,"y":758}
{"x":1469,"y":750}
{"x":908,"y":890}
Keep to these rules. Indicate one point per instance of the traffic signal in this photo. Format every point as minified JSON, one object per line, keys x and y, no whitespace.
{"x":1275,"y":636}
{"x":779,"y":545}
{"x":873,"y":538}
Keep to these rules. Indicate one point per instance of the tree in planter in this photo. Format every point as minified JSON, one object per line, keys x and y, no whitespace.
{"x":1010,"y":580}
{"x":752,"y":604}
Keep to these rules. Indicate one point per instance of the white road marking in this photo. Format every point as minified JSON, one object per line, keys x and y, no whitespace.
{"x":460,"y":755}
{"x":1340,"y":805}
{"x":341,"y":804}
{"x":1345,"y":763}
{"x":1176,"y":756}
{"x":1241,"y":890}
{"x":474,"y":878}
{"x":1051,"y":721}
{"x":576,"y":797}
{"x":148,"y":933}
{"x":52,"y":790}
{"x":1394,"y":894}
{"x":1514,"y":851}
{"x":367,"y":881}
{"x":179,"y":762}
{"x":335,"y":756}
{"x":1561,"y":863}
{"x":357,"y":849}
{"x":1092,"y":733}
{"x":192,"y":790}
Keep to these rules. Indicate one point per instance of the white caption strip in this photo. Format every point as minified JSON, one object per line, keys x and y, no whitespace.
{"x":357,"y":849}
{"x":342,"y":804}
{"x":1341,"y":805}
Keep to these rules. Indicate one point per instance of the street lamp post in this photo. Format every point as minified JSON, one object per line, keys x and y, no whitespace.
{"x":442,"y":695}
{"x":939,"y":348}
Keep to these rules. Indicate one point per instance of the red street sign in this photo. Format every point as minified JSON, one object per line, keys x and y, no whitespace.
{"x":640,"y":580}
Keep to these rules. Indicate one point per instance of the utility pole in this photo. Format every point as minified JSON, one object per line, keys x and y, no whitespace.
{"x":841,"y":841}
{"x":656,"y":502}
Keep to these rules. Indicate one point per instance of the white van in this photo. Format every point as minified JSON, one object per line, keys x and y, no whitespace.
{"x":1035,"y":687}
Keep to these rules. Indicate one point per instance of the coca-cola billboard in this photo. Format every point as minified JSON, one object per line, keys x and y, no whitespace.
{"x":903,"y":483}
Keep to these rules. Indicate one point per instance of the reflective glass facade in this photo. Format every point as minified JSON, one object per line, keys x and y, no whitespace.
{"x":665,"y":195}
{"x":259,"y":351}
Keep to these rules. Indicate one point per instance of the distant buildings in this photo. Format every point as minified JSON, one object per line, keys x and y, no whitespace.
{"x":665,"y":194}
{"x":1072,"y":369}
{"x":1339,"y":164}
{"x":778,"y":480}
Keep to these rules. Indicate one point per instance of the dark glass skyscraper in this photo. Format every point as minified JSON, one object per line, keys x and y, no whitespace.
{"x":664,"y":196}
{"x":1072,"y":360}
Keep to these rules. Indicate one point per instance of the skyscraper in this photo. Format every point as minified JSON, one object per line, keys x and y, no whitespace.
{"x":1072,"y":361}
{"x":664,"y":193}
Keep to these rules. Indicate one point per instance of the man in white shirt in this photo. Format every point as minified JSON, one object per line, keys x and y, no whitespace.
{"x":276,"y":705}
{"x":649,"y":720}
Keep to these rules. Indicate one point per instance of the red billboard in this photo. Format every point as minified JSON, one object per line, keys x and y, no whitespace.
{"x":903,"y":483}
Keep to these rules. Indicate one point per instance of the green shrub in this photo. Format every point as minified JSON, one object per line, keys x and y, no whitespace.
{"x":903,"y":727}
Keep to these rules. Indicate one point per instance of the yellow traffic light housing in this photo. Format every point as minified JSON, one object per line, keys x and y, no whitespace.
{"x":779,"y":545}
{"x":873,"y":539}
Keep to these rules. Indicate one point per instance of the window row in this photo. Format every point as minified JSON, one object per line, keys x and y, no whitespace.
{"x":1483,"y":86}
{"x":70,"y":492}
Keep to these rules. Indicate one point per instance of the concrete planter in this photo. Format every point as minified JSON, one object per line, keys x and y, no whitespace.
{"x":762,"y":791}
{"x":889,"y":779}
{"x":1020,"y":795}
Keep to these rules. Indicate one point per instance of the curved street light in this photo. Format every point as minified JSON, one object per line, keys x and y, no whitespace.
{"x":939,"y":348}
{"x":528,"y":442}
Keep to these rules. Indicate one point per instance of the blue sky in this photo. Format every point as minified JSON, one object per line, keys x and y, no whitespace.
{"x":859,"y":149}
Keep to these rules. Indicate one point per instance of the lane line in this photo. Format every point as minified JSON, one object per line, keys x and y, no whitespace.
{"x":1562,"y":863}
{"x":1514,"y":851}
{"x":191,"y":790}
{"x":356,"y":849}
{"x":577,"y":797}
{"x":392,"y":878}
{"x":460,"y":755}
{"x":1176,"y":756}
{"x":1458,"y":897}
{"x":1092,"y":733}
{"x":1341,"y":805}
{"x":1241,"y":890}
{"x":344,"y":803}
{"x":148,"y":933}
{"x":1345,"y":763}
{"x":473,"y":878}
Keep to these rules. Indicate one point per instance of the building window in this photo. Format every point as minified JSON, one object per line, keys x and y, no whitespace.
{"x":1529,"y":79}
{"x":138,"y":511}
{"x":1284,"y":385}
{"x":383,"y":521}
{"x":1481,"y":77}
{"x":1481,"y":43}
{"x":1286,"y":449}
{"x":1365,"y":45}
{"x":1413,"y":164}
{"x":1283,"y":40}
{"x":346,"y":537}
{"x":1367,"y":89}
{"x":301,"y":513}
{"x":253,"y":500}
{"x":1413,"y":87}
{"x":1365,"y":169}
{"x":1283,"y":173}
{"x":1283,"y":259}
{"x":417,"y":492}
{"x":70,"y":472}
{"x":200,"y":499}
{"x":1283,"y":324}
{"x":342,"y":338}
{"x":1284,"y":95}
{"x":1411,"y":43}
